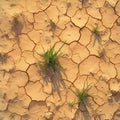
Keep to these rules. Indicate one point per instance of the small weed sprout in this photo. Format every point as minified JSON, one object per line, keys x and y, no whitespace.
{"x":96,"y":30}
{"x":71,"y":104}
{"x":82,"y":96}
{"x":97,"y":34}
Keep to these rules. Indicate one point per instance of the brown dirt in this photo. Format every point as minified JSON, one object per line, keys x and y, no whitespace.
{"x":26,"y":26}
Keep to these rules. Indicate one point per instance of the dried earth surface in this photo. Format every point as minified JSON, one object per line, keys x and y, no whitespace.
{"x":28,"y":25}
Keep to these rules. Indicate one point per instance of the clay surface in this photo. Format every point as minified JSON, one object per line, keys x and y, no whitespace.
{"x":28,"y":26}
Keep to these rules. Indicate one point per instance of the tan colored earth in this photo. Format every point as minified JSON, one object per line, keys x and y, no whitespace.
{"x":28,"y":26}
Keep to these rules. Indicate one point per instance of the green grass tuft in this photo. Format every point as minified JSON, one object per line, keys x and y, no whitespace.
{"x":50,"y":68}
{"x":51,"y":57}
{"x":82,"y":96}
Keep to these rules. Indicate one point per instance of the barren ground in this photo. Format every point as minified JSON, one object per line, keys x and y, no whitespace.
{"x":28,"y":25}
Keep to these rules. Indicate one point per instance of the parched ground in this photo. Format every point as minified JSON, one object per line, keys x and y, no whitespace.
{"x":28,"y":25}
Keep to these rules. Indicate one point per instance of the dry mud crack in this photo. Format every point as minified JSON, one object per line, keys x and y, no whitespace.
{"x":91,"y":55}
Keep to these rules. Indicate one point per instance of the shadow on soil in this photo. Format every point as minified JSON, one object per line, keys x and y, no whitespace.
{"x":17,"y":27}
{"x":81,"y":113}
{"x":54,"y":77}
